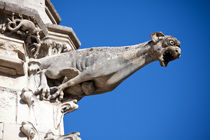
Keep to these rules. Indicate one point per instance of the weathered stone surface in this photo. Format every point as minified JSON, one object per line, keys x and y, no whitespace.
{"x":11,"y":56}
{"x":13,"y":82}
{"x":42,"y":75}
{"x":12,"y":132}
{"x":99,"y":70}
{"x":8,"y":105}
{"x":22,"y":33}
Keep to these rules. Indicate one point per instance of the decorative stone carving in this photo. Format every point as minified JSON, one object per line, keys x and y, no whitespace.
{"x":57,"y":48}
{"x":30,"y":131}
{"x":64,"y":108}
{"x":49,"y":48}
{"x":24,"y":35}
{"x":68,"y":106}
{"x":100,"y":70}
{"x":28,"y":97}
{"x":27,"y":30}
{"x":71,"y":136}
{"x":22,"y":26}
{"x":33,"y":75}
{"x":45,"y":75}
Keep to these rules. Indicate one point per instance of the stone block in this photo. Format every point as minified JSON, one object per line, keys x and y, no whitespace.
{"x":8,"y":105}
{"x":12,"y":56}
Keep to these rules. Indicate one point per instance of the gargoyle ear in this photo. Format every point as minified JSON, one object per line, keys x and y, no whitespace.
{"x":156,"y":36}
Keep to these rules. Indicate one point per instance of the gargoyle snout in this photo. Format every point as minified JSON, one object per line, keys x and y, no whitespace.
{"x":178,"y":52}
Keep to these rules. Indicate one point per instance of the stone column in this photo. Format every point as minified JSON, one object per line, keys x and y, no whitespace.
{"x":29,"y":30}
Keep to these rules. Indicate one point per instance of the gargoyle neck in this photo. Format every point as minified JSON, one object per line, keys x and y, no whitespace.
{"x":142,"y":55}
{"x":143,"y":51}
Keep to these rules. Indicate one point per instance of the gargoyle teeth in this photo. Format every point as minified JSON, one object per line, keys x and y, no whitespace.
{"x":167,"y":57}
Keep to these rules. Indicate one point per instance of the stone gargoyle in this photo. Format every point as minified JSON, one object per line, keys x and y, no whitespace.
{"x":101,"y":69}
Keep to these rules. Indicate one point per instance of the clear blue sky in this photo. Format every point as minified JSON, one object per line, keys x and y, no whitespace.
{"x":155,"y":103}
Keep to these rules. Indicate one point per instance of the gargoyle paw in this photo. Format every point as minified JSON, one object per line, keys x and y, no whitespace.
{"x":58,"y":93}
{"x":44,"y":92}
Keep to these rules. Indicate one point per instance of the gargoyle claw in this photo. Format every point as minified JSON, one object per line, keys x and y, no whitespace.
{"x":44,"y":92}
{"x":58,"y":94}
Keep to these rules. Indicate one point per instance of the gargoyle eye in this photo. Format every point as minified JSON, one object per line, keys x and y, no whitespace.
{"x":172,"y":42}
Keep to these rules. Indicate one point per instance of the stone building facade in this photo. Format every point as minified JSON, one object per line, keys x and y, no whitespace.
{"x":29,"y":30}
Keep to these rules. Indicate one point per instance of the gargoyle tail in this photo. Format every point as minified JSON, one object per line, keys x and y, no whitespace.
{"x":15,"y":28}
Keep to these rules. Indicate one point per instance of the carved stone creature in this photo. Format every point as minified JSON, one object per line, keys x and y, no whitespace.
{"x":14,"y":25}
{"x":30,"y":131}
{"x":29,"y":30}
{"x":104,"y":68}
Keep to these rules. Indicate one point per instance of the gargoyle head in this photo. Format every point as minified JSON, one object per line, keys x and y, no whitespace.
{"x":166,"y":47}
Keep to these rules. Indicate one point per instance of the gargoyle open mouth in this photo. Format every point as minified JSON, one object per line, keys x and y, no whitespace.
{"x":167,"y":57}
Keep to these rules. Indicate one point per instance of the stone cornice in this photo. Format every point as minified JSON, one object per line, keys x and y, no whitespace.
{"x":52,"y":13}
{"x":65,"y":30}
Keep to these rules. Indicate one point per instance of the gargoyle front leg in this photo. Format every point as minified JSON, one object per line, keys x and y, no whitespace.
{"x":58,"y":93}
{"x":43,"y":89}
{"x":59,"y":90}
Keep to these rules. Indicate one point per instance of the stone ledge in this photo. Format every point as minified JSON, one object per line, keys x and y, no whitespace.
{"x":65,"y":30}
{"x":52,"y":13}
{"x":11,"y":66}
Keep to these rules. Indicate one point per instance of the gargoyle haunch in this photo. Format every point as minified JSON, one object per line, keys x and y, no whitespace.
{"x":101,"y":69}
